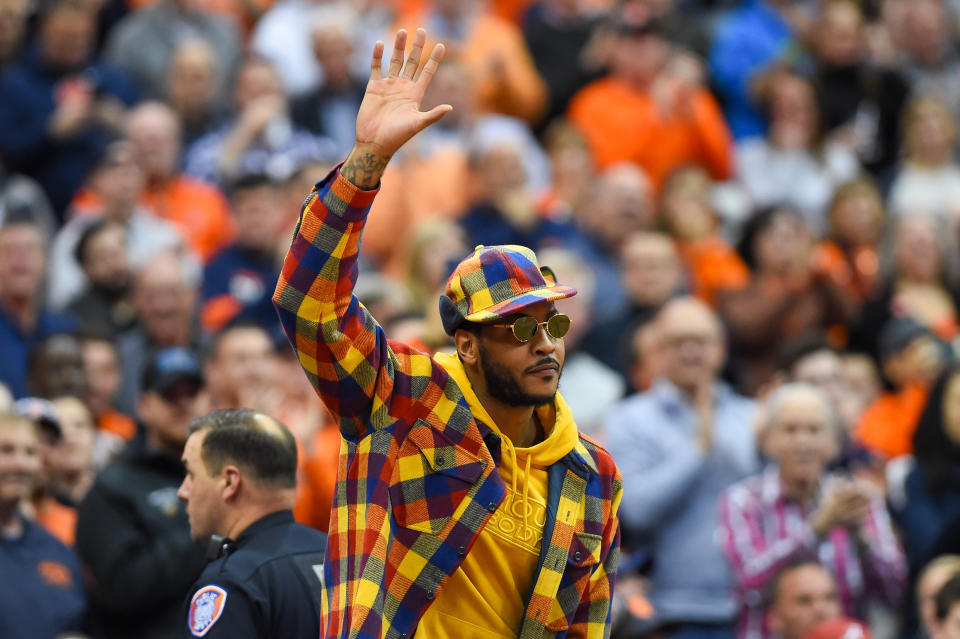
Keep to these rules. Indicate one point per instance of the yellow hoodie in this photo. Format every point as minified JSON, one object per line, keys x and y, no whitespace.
{"x":486,"y":596}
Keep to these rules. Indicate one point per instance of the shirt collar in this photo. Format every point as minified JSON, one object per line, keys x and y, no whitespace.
{"x":268,"y":521}
{"x":771,"y":486}
{"x":773,"y":492}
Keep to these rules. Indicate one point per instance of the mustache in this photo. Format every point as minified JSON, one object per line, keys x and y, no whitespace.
{"x":546,"y":361}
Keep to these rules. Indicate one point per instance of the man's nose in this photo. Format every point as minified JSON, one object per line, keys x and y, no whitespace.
{"x":543,"y":343}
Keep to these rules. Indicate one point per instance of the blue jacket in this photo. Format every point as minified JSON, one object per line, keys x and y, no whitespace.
{"x":42,"y":594}
{"x":926,"y":516}
{"x":671,"y":489}
{"x":16,"y":345}
{"x":29,"y":91}
{"x":747,"y":40}
{"x":244,"y":279}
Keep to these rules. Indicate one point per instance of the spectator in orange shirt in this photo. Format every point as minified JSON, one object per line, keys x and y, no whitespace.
{"x":652,"y":109}
{"x":850,"y":251}
{"x":922,"y":284}
{"x":711,"y":263}
{"x":67,"y":454}
{"x":912,"y":358}
{"x":60,"y":520}
{"x":101,"y":367}
{"x":504,"y":77}
{"x":572,"y":169}
{"x":199,"y":210}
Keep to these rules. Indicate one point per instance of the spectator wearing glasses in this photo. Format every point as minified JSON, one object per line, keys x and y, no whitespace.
{"x":679,"y":445}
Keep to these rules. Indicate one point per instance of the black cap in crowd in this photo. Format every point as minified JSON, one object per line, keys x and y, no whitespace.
{"x":170,"y":366}
{"x":42,"y":412}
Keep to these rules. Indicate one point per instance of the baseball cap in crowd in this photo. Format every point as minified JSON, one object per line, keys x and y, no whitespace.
{"x":42,"y":412}
{"x":842,"y":628}
{"x":495,"y":282}
{"x":899,"y":333}
{"x":170,"y":367}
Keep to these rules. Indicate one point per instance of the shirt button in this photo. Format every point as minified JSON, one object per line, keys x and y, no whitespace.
{"x":461,"y":551}
{"x":492,"y":506}
{"x":439,"y":461}
{"x":429,"y":595}
{"x":577,"y":555}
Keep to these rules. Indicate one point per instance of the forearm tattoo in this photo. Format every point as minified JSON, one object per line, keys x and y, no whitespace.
{"x":364,"y":169}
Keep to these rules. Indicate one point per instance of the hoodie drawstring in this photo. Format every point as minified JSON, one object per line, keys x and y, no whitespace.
{"x":526,"y":480}
{"x":526,"y":493}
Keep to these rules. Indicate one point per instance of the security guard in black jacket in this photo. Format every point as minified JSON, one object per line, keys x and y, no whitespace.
{"x":265,"y":573}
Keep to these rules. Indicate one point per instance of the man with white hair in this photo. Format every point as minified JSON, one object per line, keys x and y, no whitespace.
{"x":797,"y":509}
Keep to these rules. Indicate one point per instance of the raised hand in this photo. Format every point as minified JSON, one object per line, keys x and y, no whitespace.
{"x":390,"y":112}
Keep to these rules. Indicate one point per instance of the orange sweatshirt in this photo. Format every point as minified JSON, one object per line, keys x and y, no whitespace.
{"x":622,"y":124}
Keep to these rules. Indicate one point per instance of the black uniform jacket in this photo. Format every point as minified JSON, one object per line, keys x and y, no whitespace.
{"x":267,"y":583}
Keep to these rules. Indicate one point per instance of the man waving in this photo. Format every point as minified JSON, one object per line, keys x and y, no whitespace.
{"x":467,"y":504}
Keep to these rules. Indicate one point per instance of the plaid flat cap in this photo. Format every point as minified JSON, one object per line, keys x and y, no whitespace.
{"x":495,"y":282}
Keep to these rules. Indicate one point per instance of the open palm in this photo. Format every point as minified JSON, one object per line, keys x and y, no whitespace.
{"x":390,"y":112}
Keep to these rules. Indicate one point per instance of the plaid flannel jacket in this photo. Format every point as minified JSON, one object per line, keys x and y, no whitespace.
{"x":417,"y":475}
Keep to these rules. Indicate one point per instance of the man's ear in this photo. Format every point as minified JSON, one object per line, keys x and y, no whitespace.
{"x":468,"y":346}
{"x":231,"y":479}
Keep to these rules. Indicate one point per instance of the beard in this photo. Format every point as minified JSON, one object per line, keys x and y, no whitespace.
{"x":503,"y":386}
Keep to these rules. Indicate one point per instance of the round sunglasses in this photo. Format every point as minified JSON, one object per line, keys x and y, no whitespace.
{"x":524,"y":328}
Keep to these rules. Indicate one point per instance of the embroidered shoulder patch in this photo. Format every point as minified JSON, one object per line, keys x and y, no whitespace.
{"x":205,"y":608}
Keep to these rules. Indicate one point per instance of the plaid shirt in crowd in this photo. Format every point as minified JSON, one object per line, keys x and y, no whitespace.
{"x":762,"y":531}
{"x":417,"y":477}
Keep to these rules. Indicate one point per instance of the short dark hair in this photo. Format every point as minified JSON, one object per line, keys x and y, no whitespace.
{"x":20,"y":217}
{"x":87,"y":236}
{"x":471,"y":327}
{"x":247,"y":182}
{"x":800,"y":561}
{"x":257,"y":443}
{"x":50,"y":7}
{"x":948,"y":597}
{"x":235,"y":324}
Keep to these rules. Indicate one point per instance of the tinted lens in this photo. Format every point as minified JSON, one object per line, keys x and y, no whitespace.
{"x":558,"y":325}
{"x":525,"y":328}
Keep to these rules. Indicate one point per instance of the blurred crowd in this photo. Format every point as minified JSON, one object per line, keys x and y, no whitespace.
{"x":758,"y":200}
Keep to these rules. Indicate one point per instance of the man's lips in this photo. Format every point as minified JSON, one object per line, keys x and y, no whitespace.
{"x":543,"y":369}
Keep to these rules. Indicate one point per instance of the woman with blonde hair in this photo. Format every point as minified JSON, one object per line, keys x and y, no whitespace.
{"x":928,"y":180}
